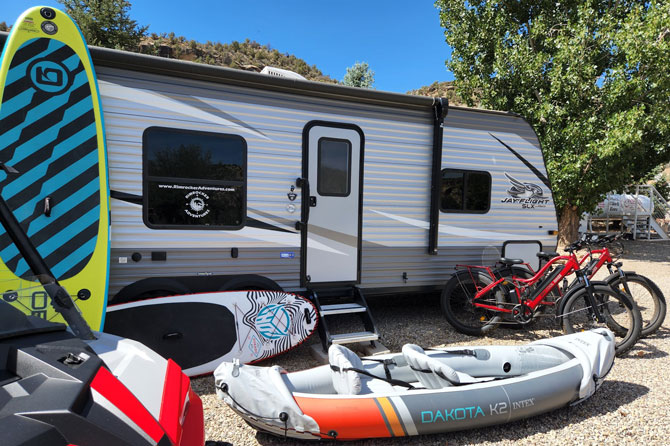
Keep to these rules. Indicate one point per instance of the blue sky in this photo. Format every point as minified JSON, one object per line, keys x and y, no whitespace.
{"x":400,"y":39}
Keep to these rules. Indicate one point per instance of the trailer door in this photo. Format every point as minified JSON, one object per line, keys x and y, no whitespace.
{"x":332,"y":165}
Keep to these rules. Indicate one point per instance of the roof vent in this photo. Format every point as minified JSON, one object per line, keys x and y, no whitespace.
{"x":280,"y":72}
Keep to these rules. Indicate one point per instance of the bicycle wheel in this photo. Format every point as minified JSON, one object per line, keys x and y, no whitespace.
{"x":620,"y":312}
{"x":648,"y":297}
{"x":616,"y":248}
{"x":458,"y":308}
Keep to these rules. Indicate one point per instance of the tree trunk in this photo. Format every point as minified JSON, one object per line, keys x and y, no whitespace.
{"x":568,"y":225}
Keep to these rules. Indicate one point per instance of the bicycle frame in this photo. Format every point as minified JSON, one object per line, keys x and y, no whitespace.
{"x":548,"y":278}
{"x":548,"y":283}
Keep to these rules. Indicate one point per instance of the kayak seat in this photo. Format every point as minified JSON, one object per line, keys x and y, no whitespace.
{"x":345,"y":366}
{"x":431,"y":372}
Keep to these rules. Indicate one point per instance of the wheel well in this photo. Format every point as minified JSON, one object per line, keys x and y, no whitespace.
{"x":249,"y":282}
{"x":170,"y":286}
{"x":150,"y":288}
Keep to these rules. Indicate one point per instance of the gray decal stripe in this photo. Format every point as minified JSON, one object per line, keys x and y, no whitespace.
{"x":202,"y":105}
{"x":533,"y":169}
{"x":279,"y":221}
{"x":386,"y":421}
{"x":251,"y":222}
{"x":339,"y":237}
{"x":404,"y":415}
{"x":397,"y":413}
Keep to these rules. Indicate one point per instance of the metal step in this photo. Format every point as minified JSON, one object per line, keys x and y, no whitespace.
{"x":345,"y":308}
{"x":342,"y":304}
{"x":350,"y":338}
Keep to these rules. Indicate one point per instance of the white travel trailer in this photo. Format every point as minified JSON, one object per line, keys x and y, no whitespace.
{"x":224,"y":179}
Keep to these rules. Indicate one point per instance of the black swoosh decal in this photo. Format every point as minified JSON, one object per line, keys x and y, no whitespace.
{"x":533,"y":169}
{"x":124,"y":196}
{"x":251,"y":222}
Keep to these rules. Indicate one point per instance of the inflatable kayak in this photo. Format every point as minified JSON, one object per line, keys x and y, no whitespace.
{"x":418,"y":392}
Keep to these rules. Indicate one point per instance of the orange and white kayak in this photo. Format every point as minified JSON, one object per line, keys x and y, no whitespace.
{"x":418,"y":392}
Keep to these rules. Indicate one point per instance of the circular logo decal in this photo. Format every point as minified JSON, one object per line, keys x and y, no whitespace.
{"x":273,"y":322}
{"x":49,"y":76}
{"x":196,"y":204}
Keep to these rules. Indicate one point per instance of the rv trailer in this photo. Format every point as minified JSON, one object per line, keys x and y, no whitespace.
{"x":224,"y":179}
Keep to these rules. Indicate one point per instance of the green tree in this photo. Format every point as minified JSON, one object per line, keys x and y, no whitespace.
{"x":591,"y":76}
{"x":106,"y":23}
{"x":359,"y":75}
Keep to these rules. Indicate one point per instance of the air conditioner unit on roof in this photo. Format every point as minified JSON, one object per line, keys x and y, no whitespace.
{"x":280,"y":72}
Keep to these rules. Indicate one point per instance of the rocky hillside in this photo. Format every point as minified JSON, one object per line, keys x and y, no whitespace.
{"x":252,"y":56}
{"x":247,"y":55}
{"x":445,"y":89}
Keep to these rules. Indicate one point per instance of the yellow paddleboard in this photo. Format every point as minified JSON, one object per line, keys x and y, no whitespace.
{"x":52,"y":132}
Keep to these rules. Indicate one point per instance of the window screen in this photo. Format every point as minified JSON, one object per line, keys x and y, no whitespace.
{"x":465,"y":191}
{"x":194,"y":180}
{"x":334,"y":167}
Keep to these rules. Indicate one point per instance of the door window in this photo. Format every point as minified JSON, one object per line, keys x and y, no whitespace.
{"x":334,"y":167}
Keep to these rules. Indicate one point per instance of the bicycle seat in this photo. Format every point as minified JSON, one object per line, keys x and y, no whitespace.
{"x":506,"y":261}
{"x":547,"y":255}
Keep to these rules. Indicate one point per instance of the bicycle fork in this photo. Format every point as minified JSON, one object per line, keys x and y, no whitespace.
{"x":590,"y":297}
{"x":622,"y":276}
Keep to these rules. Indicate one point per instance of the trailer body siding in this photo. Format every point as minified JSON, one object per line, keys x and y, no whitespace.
{"x":139,"y":92}
{"x":396,"y":182}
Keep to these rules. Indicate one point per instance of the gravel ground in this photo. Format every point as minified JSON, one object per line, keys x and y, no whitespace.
{"x":631,"y":407}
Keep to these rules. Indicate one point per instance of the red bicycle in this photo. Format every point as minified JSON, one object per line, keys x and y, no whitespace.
{"x":476,"y":300}
{"x":643,"y":291}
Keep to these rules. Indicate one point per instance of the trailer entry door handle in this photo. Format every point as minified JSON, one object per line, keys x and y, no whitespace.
{"x":303,"y":183}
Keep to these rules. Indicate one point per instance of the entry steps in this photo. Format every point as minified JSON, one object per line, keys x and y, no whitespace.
{"x":339,"y":305}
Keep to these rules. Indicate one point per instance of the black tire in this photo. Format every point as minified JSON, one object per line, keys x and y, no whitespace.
{"x":457,"y":304}
{"x":648,"y":297}
{"x":616,"y":249}
{"x":621,"y":314}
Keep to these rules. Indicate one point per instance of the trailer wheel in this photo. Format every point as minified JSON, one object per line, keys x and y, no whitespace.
{"x":249,"y":282}
{"x":148,"y":289}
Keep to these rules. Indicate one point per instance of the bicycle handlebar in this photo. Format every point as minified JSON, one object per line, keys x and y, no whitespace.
{"x":589,"y":239}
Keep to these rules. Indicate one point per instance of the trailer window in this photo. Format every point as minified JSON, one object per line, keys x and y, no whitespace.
{"x":194,"y":180}
{"x":465,"y":191}
{"x":334,"y":167}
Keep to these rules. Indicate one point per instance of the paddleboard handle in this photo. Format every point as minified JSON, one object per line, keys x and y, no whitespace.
{"x":60,"y":299}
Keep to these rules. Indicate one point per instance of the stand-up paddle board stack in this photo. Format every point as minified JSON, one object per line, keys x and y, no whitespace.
{"x":51,"y":131}
{"x":199,"y":331}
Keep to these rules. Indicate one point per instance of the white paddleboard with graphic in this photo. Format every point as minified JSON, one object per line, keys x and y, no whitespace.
{"x":199,"y":331}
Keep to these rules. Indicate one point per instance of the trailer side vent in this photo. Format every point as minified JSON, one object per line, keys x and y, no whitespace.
{"x":158,"y":256}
